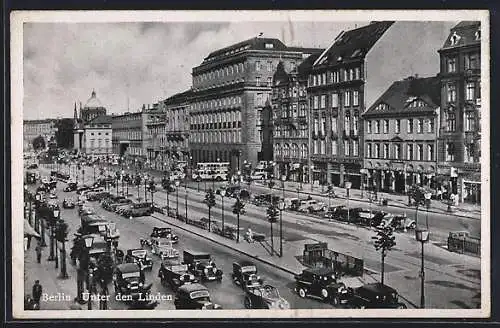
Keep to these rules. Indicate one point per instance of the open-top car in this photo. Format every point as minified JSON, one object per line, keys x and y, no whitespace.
{"x":265,"y":297}
{"x":175,"y":275}
{"x":68,"y":203}
{"x":140,"y":257}
{"x":194,"y":297}
{"x":163,"y":248}
{"x":245,"y":275}
{"x":164,"y":232}
{"x":321,"y":283}
{"x":375,"y":296}
{"x":202,"y":265}
{"x":129,"y":280}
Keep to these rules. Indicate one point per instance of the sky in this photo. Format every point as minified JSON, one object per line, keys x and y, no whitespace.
{"x":131,"y":64}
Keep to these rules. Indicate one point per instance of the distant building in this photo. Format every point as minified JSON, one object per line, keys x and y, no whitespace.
{"x":177,"y":128}
{"x":156,"y":138}
{"x":97,"y":136}
{"x":400,"y":136}
{"x":130,"y":136}
{"x":34,"y":128}
{"x":82,"y":139}
{"x":230,"y":90}
{"x":459,"y":146}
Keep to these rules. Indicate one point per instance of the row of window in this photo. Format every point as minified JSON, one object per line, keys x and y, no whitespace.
{"x":217,"y":103}
{"x":128,"y":135}
{"x":219,"y":73}
{"x":348,"y":97}
{"x":286,"y":150}
{"x":216,"y":126}
{"x":419,"y":152}
{"x":336,"y":76}
{"x":291,"y":110}
{"x":100,"y":143}
{"x":99,"y":133}
{"x":384,"y":126}
{"x":233,"y":136}
{"x":230,"y":116}
{"x":472,"y":91}
{"x":286,"y":131}
{"x":470,"y":121}
{"x":350,"y":147}
{"x":291,"y":91}
{"x":471,"y":61}
{"x":471,"y":152}
{"x":350,"y":124}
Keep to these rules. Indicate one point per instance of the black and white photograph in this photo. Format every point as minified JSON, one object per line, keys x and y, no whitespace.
{"x":250,"y":164}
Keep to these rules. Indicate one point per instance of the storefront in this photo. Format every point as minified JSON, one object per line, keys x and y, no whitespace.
{"x":471,"y":192}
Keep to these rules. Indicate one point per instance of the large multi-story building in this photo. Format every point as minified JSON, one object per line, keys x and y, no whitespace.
{"x":177,"y":126}
{"x":34,"y":128}
{"x":230,"y":89}
{"x":97,"y":136}
{"x":156,"y":136}
{"x":291,"y":120}
{"x":459,"y":150}
{"x":130,"y":136}
{"x":400,"y":136}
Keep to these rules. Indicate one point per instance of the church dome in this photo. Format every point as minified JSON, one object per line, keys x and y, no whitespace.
{"x":93,"y":102}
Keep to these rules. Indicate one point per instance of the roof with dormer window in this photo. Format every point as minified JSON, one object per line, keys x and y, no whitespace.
{"x":463,"y":34}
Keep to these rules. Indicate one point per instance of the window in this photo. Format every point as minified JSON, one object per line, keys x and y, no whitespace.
{"x":316,"y":126}
{"x":397,"y":126}
{"x":269,"y":66}
{"x":335,"y":100}
{"x":376,"y":151}
{"x":323,"y":125}
{"x":357,"y":73}
{"x":470,"y":91}
{"x":469,"y":153}
{"x":315,"y":102}
{"x":430,"y":152}
{"x":347,"y":99}
{"x":397,"y":151}
{"x":409,"y":152}
{"x":334,"y":147}
{"x":452,"y":64}
{"x":257,"y":66}
{"x":257,"y":80}
{"x":410,"y":126}
{"x":322,"y":147}
{"x":471,"y":61}
{"x":323,"y":78}
{"x":269,"y":46}
{"x":347,"y":123}
{"x":369,"y":150}
{"x":355,"y":122}
{"x":377,"y":126}
{"x":451,"y":122}
{"x":470,"y":121}
{"x":355,"y":146}
{"x":430,"y":125}
{"x":452,"y":92}
{"x":385,"y":149}
{"x":334,"y":125}
{"x":323,"y":101}
{"x":355,"y":98}
{"x":303,"y":151}
{"x":450,"y":152}
{"x":316,"y":146}
{"x":386,"y":126}
{"x":420,"y":152}
{"x":420,"y":125}
{"x":336,"y":77}
{"x":347,"y":148}
{"x":368,"y":126}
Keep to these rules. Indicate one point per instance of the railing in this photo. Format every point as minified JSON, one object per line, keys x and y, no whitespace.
{"x":461,"y":242}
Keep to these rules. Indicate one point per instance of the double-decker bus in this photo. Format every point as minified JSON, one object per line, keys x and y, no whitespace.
{"x":211,"y":171}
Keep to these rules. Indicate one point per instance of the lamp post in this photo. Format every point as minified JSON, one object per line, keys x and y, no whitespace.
{"x":53,"y":235}
{"x":213,"y":179}
{"x":89,"y":240}
{"x":422,"y":236}
{"x":186,"y":196}
{"x":52,"y":224}
{"x":239,"y":172}
{"x":123,"y":180}
{"x":222,"y":194}
{"x":283,"y":179}
{"x":146,"y":178}
{"x":362,"y":172}
{"x":94,"y":174}
{"x":348,"y":185}
{"x":177,"y":183}
{"x":128,"y":178}
{"x":311,"y":174}
{"x":427,"y":197}
{"x":37,"y":219}
{"x":281,"y":207}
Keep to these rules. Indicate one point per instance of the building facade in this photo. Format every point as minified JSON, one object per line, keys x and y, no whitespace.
{"x":177,"y":127}
{"x":336,"y":92}
{"x":34,"y":128}
{"x":156,"y":136}
{"x":459,"y":146}
{"x":400,"y":136}
{"x":230,"y":90}
{"x":93,"y":109}
{"x":130,"y":136}
{"x":97,"y":137}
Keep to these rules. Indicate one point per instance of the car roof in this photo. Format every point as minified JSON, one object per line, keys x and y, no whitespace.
{"x":378,"y":287}
{"x":128,"y":267}
{"x":162,"y":228}
{"x":244,"y":263}
{"x":136,"y":249}
{"x":195,"y":252}
{"x":192,"y":288}
{"x":320,"y":271}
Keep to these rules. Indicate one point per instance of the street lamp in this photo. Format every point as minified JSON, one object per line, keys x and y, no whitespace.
{"x":422,"y":236}
{"x":283,"y":179}
{"x":281,"y":207}
{"x":56,"y":217}
{"x":348,"y":187}
{"x":37,"y":219}
{"x":89,"y":241}
{"x":222,"y":194}
{"x":186,"y":196}
{"x":311,"y":174}
{"x":177,"y":183}
{"x":427,"y":197}
{"x":94,"y":174}
{"x":123,"y":180}
{"x":146,"y":178}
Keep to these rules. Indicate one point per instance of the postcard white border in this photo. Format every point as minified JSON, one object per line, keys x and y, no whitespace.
{"x":20,"y":17}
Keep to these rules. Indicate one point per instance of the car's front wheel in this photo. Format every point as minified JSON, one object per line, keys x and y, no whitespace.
{"x":248,"y":303}
{"x":302,"y":292}
{"x":413,"y":225}
{"x":336,"y":301}
{"x":324,"y":294}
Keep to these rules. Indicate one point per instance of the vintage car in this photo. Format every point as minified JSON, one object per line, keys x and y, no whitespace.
{"x":164,"y":232}
{"x":82,"y":189}
{"x":137,"y":209}
{"x":72,"y":186}
{"x":398,"y":222}
{"x":128,"y":279}
{"x":321,"y":283}
{"x":53,"y":195}
{"x":163,"y":248}
{"x":139,"y":256}
{"x":311,"y":206}
{"x":375,"y":296}
{"x":264,"y":297}
{"x":202,"y":265}
{"x":194,"y":297}
{"x":95,"y":224}
{"x":175,"y":275}
{"x":68,"y":203}
{"x":245,"y":275}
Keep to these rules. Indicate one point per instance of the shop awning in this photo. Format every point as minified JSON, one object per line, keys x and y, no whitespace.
{"x":29,"y":230}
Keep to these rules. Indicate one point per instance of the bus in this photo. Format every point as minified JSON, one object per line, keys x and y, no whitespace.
{"x":211,"y":171}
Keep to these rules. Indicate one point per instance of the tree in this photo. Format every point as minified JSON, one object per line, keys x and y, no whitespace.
{"x":272,"y":217}
{"x":210,"y":201}
{"x":38,"y":143}
{"x":64,"y":133}
{"x":238,"y":209}
{"x":383,"y":242}
{"x":152,"y":189}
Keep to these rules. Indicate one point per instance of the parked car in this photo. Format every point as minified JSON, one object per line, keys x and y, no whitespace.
{"x":264,"y":297}
{"x":72,"y":186}
{"x":311,"y":206}
{"x":53,"y":195}
{"x":245,"y":275}
{"x":68,"y":203}
{"x":80,"y":190}
{"x":194,"y":297}
{"x":321,"y":283}
{"x":164,"y":232}
{"x":138,"y":209}
{"x":163,"y":248}
{"x":399,"y":222}
{"x":129,"y":280}
{"x":375,"y":296}
{"x":140,"y":257}
{"x":33,"y":166}
{"x":202,"y":265}
{"x":175,"y":275}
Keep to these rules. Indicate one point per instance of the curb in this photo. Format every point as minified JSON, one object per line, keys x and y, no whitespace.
{"x":228,"y":246}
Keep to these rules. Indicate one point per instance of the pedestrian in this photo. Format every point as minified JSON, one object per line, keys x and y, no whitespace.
{"x":29,"y":241}
{"x":440,"y":194}
{"x":38,"y":250}
{"x":37,"y":292}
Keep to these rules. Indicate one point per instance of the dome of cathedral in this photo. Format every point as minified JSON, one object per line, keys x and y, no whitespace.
{"x":93,"y":101}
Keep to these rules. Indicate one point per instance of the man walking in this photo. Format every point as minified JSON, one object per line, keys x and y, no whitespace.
{"x":37,"y":292}
{"x":38,"y":250}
